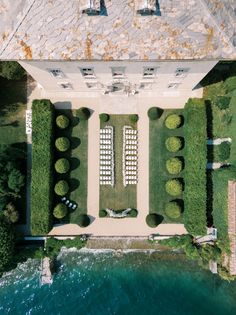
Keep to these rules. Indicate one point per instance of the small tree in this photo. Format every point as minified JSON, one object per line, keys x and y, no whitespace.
{"x":173,"y":144}
{"x":173,"y":121}
{"x":83,"y":113}
{"x":61,"y":188}
{"x":154,"y":113}
{"x":133,"y":118}
{"x":15,"y":180}
{"x":62,"y":121}
{"x":83,"y":220}
{"x":11,"y":70}
{"x":104,"y":117}
{"x":153,"y":220}
{"x":60,"y":211}
{"x":222,"y":102}
{"x":174,"y":187}
{"x":62,"y":144}
{"x":173,"y":210}
{"x":174,"y":165}
{"x":62,"y":166}
{"x":11,"y":214}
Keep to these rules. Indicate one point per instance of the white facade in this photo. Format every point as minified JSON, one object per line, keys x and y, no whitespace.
{"x":144,"y":78}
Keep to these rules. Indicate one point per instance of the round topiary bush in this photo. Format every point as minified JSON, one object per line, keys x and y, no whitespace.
{"x":61,"y":188}
{"x":62,"y":144}
{"x":62,"y":122}
{"x":60,"y":211}
{"x":224,"y":151}
{"x":174,"y":165}
{"x":173,"y":210}
{"x":62,"y":166}
{"x":133,"y":213}
{"x":133,"y":118}
{"x":104,"y":117}
{"x":102,"y":213}
{"x":173,"y":144}
{"x":83,"y":113}
{"x":174,"y":187}
{"x":154,"y":113}
{"x":173,"y":121}
{"x":152,"y":220}
{"x":83,"y":220}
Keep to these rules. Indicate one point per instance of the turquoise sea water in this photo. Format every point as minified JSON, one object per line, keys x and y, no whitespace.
{"x":107,"y":283}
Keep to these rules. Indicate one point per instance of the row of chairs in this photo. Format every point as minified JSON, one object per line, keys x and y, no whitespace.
{"x":130,"y":156}
{"x":107,"y":156}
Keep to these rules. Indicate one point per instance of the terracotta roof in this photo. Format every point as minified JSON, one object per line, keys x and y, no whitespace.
{"x":57,"y":30}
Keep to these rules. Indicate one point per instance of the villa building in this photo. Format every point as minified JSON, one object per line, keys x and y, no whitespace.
{"x":131,"y":47}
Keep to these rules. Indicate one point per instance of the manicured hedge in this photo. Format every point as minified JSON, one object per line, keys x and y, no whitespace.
{"x":153,"y":220}
{"x":195,"y":194}
{"x":62,"y":166}
{"x":60,"y":211}
{"x":173,"y":121}
{"x":61,"y":188}
{"x":62,"y":144}
{"x":174,"y":144}
{"x":174,"y":187}
{"x":62,"y":122}
{"x":133,"y":118}
{"x":154,"y":113}
{"x":174,"y":165}
{"x":173,"y":210}
{"x":83,"y":220}
{"x":104,"y":117}
{"x":42,"y":166}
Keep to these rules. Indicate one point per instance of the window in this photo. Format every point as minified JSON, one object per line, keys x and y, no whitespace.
{"x":149,"y":72}
{"x":66,"y":85}
{"x":145,"y":85}
{"x":92,"y":85}
{"x":173,"y":85}
{"x":92,"y":7}
{"x":181,"y":72}
{"x":118,"y":72}
{"x":56,"y":73}
{"x":146,"y":7}
{"x":87,"y":73}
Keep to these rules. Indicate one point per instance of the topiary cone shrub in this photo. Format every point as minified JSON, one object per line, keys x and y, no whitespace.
{"x":83,"y":220}
{"x":173,"y":210}
{"x":62,"y":166}
{"x":173,"y":121}
{"x":174,"y":187}
{"x":154,"y":113}
{"x":174,"y":144}
{"x":133,"y":118}
{"x":153,"y":220}
{"x":174,"y":165}
{"x":61,"y":188}
{"x":60,"y":211}
{"x":62,"y":144}
{"x":104,"y":117}
{"x":62,"y":121}
{"x":83,"y":113}
{"x":133,"y":213}
{"x":102,"y":213}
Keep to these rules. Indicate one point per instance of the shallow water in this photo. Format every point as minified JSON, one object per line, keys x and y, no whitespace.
{"x":110,"y":283}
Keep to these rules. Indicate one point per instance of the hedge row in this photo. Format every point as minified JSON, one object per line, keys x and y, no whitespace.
{"x":195,"y":194}
{"x":42,"y":166}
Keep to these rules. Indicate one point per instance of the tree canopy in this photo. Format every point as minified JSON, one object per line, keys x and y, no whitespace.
{"x":6,"y":244}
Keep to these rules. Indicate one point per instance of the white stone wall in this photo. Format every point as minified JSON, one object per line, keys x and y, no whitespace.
{"x":165,"y":74}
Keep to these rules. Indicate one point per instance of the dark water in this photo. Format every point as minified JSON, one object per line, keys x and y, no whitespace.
{"x":107,"y":283}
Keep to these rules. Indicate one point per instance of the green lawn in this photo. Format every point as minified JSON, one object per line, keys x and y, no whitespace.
{"x":118,"y":197}
{"x":78,"y":157}
{"x":158,"y":155}
{"x":12,"y":111}
{"x":13,"y":98}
